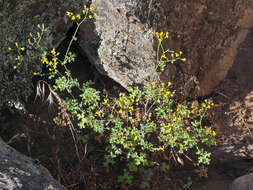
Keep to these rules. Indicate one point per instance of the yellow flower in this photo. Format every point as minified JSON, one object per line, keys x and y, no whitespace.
{"x":208,"y":131}
{"x":50,"y":69}
{"x":177,"y":54}
{"x":55,"y":59}
{"x":22,"y":49}
{"x":105,"y":101}
{"x":16,"y":44}
{"x":167,"y":35}
{"x":78,"y":16}
{"x":14,"y":67}
{"x":34,"y":73}
{"x":44,"y":60}
{"x":53,"y":51}
{"x":73,"y":18}
{"x":168,"y":130}
{"x":92,"y":8}
{"x":84,"y":6}
{"x":90,"y":16}
{"x":214,"y":133}
{"x":135,"y":138}
{"x":161,"y":148}
{"x":38,"y":25}
{"x":169,"y":83}
{"x":164,"y":56}
{"x":69,"y":13}
{"x":98,"y":113}
{"x":131,"y":109}
{"x":154,"y":84}
{"x":9,"y":48}
{"x":18,"y":58}
{"x":95,"y":14}
{"x":184,"y":59}
{"x":168,"y":92}
{"x":132,"y":132}
{"x":161,"y":34}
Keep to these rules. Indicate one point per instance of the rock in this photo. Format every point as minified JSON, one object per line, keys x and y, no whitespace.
{"x":123,"y":42}
{"x":209,"y":33}
{"x":229,"y":153}
{"x":242,"y":183}
{"x":18,"y":171}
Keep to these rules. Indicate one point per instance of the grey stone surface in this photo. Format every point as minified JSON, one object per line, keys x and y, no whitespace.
{"x":242,"y":183}
{"x":123,"y":39}
{"x":228,"y":153}
{"x":18,"y":171}
{"x":208,"y":33}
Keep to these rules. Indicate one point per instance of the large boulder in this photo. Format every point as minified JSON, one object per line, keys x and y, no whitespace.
{"x":18,"y":171}
{"x":208,"y":32}
{"x":122,"y":46}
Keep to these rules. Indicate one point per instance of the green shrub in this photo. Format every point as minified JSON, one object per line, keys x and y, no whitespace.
{"x":136,"y":126}
{"x":16,"y":73}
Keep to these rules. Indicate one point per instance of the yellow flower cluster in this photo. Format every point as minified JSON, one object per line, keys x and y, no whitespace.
{"x":125,"y":105}
{"x":51,"y":64}
{"x":169,"y":129}
{"x":86,"y":13}
{"x":194,"y":108}
{"x":19,"y":58}
{"x":167,"y":56}
{"x":157,"y":85}
{"x":133,"y":133}
{"x":174,"y":56}
{"x":209,"y":131}
{"x":161,"y":35}
{"x":207,"y":104}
